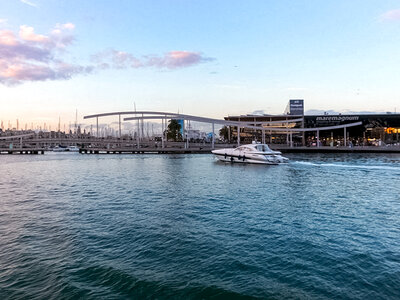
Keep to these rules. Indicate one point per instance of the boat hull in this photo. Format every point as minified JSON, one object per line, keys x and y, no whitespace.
{"x":270,"y":159}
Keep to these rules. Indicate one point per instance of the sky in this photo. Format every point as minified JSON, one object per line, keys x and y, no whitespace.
{"x":206,"y":58}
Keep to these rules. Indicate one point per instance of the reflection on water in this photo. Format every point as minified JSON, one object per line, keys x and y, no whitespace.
{"x":187,"y":226}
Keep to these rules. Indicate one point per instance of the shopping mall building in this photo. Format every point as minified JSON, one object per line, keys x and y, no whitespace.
{"x":293,"y":127}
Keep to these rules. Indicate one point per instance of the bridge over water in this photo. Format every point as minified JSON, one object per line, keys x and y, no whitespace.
{"x":264,"y":127}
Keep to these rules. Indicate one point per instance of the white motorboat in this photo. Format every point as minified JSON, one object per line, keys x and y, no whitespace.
{"x":251,"y":153}
{"x":73,"y":149}
{"x":64,"y":149}
{"x":59,"y":149}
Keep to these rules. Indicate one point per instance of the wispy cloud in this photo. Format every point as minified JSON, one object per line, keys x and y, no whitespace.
{"x":258,"y":112}
{"x":171,"y":60}
{"x":297,"y":89}
{"x":343,"y":112}
{"x":177,"y":59}
{"x":391,"y":15}
{"x":29,"y":3}
{"x":35,"y":57}
{"x":3,"y":21}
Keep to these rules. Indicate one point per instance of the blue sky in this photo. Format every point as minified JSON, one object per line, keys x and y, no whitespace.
{"x":210,"y":58}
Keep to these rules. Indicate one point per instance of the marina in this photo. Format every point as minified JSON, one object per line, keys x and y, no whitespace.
{"x":290,"y":133}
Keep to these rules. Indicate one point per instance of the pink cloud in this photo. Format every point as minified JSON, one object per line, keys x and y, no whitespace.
{"x":122,"y":60}
{"x":7,"y":37}
{"x":171,"y":60}
{"x":61,"y":36}
{"x":177,"y":59}
{"x":35,"y":57}
{"x":27,"y":33}
{"x":30,"y":56}
{"x":69,"y":26}
{"x":391,"y":15}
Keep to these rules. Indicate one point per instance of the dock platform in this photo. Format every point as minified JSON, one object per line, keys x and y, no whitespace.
{"x":22,"y":151}
{"x":195,"y":150}
{"x":205,"y":150}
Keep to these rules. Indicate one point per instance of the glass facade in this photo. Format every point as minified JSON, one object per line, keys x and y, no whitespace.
{"x":375,"y":129}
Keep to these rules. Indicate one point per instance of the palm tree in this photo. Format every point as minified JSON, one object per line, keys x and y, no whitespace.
{"x":174,"y":130}
{"x":224,"y":133}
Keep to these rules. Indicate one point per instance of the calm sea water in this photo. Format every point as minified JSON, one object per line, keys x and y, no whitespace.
{"x":162,"y":226}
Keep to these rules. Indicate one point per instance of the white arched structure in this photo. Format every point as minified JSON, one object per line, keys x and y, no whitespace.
{"x":263,"y":126}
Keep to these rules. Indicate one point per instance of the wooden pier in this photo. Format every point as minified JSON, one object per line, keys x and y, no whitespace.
{"x":197,"y":150}
{"x":22,"y":151}
{"x":205,"y":150}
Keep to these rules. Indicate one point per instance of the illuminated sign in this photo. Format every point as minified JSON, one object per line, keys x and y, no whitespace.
{"x":392,"y":130}
{"x":296,"y":107}
{"x":338,"y":118}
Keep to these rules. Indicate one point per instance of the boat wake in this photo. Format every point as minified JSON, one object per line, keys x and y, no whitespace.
{"x":349,"y":166}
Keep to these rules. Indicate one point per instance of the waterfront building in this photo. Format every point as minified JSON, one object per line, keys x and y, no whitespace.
{"x":375,"y":129}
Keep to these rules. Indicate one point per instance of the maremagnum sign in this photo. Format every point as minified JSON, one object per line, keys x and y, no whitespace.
{"x":337,"y":118}
{"x":331,"y":120}
{"x":368,"y":120}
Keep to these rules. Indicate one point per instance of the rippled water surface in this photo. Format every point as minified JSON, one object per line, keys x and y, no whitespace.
{"x":162,"y":226}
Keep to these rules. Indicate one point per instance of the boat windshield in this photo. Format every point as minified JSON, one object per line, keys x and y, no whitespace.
{"x":252,"y":148}
{"x":263,"y":148}
{"x":244,"y":148}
